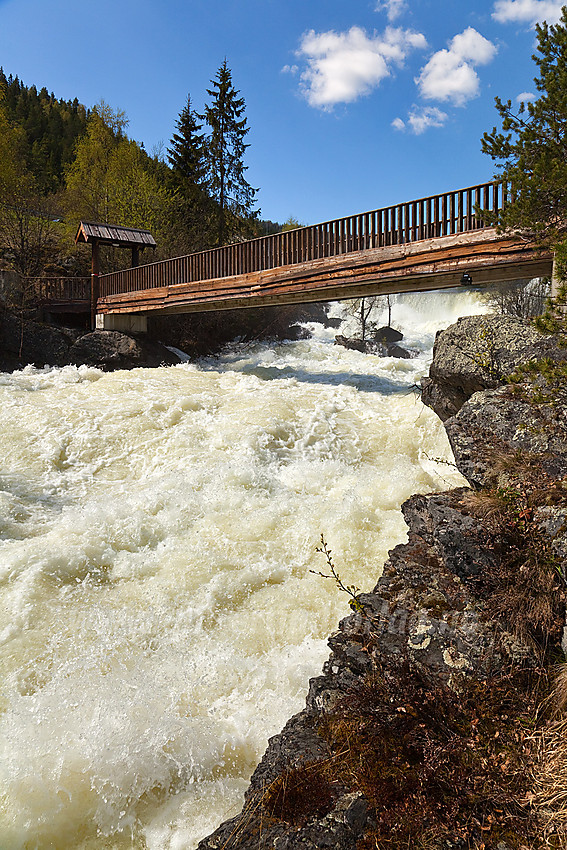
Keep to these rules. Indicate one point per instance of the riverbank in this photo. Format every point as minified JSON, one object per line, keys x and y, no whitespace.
{"x":24,"y":341}
{"x":420,"y":732}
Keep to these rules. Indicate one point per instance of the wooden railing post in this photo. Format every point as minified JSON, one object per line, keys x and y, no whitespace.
{"x":95,"y":273}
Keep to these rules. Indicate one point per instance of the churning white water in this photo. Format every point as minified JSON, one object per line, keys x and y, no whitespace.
{"x":159,"y":620}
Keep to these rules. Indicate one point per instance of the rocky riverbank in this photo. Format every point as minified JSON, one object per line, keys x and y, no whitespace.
{"x":419,"y":733}
{"x":24,"y":341}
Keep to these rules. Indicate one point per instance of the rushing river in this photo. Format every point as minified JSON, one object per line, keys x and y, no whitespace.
{"x":159,"y":617}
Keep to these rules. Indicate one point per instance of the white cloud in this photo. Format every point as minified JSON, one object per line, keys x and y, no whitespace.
{"x":449,"y":75}
{"x":527,"y":11}
{"x":342,"y":67}
{"x":393,"y":8}
{"x":525,"y":97}
{"x":421,"y":119}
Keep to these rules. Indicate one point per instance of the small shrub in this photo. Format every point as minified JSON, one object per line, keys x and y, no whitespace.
{"x":299,"y":794}
{"x":525,"y":591}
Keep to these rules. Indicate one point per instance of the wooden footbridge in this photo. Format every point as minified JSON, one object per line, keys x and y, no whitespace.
{"x":431,"y":243}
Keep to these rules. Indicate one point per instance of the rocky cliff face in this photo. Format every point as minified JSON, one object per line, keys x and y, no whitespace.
{"x":414,"y":735}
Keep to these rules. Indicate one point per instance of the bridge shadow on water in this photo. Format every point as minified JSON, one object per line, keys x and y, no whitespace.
{"x":366,"y":383}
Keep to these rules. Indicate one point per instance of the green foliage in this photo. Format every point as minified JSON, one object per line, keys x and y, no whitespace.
{"x":553,"y":320}
{"x":58,"y":157}
{"x":191,"y":205}
{"x":186,"y":153}
{"x":531,"y":147}
{"x":89,"y":192}
{"x":546,"y":384}
{"x":113,"y":180}
{"x":27,"y":229}
{"x":291,"y":223}
{"x":227,"y":185}
{"x":350,"y":589}
{"x":50,"y":129}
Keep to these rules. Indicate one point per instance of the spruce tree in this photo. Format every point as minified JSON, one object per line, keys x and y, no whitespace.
{"x":233,"y":195}
{"x":186,"y":153}
{"x":531,"y":147}
{"x":187,"y":157}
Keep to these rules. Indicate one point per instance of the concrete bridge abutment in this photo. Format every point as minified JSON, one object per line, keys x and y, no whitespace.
{"x":127,"y":323}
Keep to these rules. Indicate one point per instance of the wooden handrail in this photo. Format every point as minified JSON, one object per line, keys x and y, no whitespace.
{"x":425,"y":218}
{"x":58,"y":288}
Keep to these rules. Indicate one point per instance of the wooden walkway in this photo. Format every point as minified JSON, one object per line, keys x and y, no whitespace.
{"x":417,"y":246}
{"x":59,"y":294}
{"x":421,"y":245}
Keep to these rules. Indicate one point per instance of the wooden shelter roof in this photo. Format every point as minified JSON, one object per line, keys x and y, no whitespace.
{"x":113,"y":234}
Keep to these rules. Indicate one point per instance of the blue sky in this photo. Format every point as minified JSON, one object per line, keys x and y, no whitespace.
{"x":352,"y":105}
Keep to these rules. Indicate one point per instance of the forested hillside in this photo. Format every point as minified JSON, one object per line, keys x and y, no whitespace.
{"x":61,"y":162}
{"x":52,"y":128}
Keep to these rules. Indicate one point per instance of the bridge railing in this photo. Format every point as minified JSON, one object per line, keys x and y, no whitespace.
{"x":58,"y":288}
{"x":426,"y":218}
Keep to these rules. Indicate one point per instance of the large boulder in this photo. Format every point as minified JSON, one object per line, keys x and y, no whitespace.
{"x":478,"y":353}
{"x":387,"y":335}
{"x":495,"y":400}
{"x":23,"y":343}
{"x":109,"y":350}
{"x":373,"y":346}
{"x":494,"y":426}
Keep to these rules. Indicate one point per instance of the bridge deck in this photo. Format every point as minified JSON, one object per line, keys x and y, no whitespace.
{"x":420,"y":245}
{"x":416,"y":246}
{"x":418,"y":266}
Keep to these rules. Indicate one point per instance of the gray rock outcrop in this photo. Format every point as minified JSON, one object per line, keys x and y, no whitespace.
{"x":374,"y":346}
{"x":476,"y":354}
{"x":109,"y":350}
{"x":25,"y":342}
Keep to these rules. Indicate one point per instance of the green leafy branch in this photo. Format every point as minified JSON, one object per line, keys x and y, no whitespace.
{"x":350,"y":589}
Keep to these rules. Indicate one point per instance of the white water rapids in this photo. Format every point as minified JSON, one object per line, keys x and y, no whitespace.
{"x":159,"y":620}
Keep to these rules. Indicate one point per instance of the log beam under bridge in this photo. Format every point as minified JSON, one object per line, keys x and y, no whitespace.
{"x":419,"y":266}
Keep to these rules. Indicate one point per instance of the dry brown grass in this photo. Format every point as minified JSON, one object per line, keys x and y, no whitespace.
{"x":437,"y":766}
{"x":300,"y":793}
{"x":525,"y":591}
{"x":550,"y":783}
{"x":559,"y":695}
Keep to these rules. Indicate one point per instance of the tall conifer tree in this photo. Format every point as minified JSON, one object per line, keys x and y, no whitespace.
{"x":233,"y":195}
{"x":186,"y":153}
{"x":188,"y":175}
{"x":531,"y":147}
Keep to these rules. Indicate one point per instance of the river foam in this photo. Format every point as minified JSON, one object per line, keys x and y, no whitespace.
{"x":160,"y":617}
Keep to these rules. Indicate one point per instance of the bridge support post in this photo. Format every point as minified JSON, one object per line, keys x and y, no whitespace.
{"x":127,"y":323}
{"x":95,"y":272}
